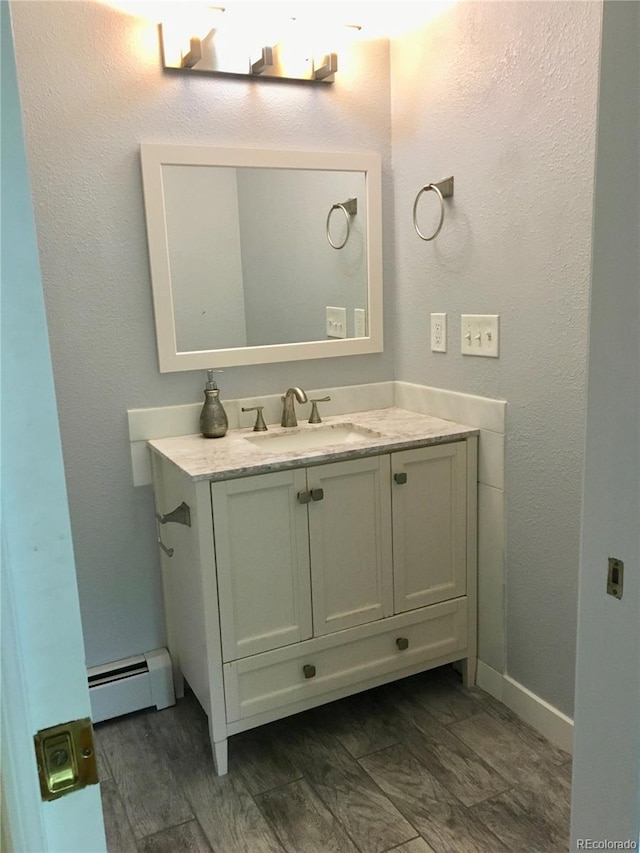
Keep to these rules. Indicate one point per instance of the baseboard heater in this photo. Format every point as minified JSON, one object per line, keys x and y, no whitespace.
{"x":131,"y":684}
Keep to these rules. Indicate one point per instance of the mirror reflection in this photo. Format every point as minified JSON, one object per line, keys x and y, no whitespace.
{"x":251,"y":259}
{"x":261,"y":256}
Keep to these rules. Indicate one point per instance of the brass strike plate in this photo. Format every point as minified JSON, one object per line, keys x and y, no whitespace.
{"x":66,"y":758}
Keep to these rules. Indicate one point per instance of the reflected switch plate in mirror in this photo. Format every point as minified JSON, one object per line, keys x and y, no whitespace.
{"x":336,"y":322}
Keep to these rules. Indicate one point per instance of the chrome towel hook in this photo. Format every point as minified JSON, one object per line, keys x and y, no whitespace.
{"x":349,"y":208}
{"x":443,"y":189}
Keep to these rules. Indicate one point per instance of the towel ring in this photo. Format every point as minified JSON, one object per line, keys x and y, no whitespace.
{"x":443,"y":189}
{"x":349,"y":208}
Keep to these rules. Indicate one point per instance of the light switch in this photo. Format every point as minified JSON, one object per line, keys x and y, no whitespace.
{"x":479,"y":335}
{"x":336,"y":322}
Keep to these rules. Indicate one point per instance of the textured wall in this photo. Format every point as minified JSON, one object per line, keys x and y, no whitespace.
{"x":92,"y":89}
{"x":606,"y":768}
{"x":503,"y":96}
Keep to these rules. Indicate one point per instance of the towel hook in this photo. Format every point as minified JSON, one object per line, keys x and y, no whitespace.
{"x":349,"y":208}
{"x":443,"y":189}
{"x":180,"y":515}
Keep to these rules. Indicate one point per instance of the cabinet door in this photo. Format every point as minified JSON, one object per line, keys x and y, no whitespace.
{"x":262,"y":558}
{"x":429,"y":525}
{"x":350,"y":543}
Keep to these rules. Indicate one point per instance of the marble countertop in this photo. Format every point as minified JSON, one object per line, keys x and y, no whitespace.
{"x":383,"y":431}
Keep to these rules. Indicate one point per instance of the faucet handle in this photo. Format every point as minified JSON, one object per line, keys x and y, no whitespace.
{"x":259,"y":425}
{"x":315,"y":417}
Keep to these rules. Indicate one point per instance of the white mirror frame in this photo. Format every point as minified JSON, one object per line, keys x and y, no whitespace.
{"x":155,"y":156}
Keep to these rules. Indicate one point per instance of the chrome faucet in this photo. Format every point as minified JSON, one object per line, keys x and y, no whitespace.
{"x":288,"y":406}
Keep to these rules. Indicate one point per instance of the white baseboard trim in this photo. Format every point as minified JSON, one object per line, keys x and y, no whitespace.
{"x":549,"y":721}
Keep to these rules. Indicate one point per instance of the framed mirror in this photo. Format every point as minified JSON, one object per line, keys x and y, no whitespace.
{"x":262,"y":256}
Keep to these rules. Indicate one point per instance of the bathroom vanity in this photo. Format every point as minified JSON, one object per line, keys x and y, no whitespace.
{"x":315,"y":562}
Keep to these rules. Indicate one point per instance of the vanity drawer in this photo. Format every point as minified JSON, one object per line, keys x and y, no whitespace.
{"x":263,"y":682}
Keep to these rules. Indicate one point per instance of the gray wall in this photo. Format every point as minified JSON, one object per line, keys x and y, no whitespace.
{"x":503,"y":96}
{"x":92,"y":90}
{"x":606,"y":781}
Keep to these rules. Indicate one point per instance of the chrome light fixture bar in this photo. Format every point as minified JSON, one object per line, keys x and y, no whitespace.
{"x":217,"y":51}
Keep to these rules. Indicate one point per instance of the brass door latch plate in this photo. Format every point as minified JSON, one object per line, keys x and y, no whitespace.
{"x":66,"y":758}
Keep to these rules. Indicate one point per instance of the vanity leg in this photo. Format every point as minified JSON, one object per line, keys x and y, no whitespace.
{"x":220,"y":757}
{"x":468,"y":670}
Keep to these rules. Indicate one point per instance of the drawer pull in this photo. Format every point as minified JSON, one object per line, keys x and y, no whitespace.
{"x":400,"y":479}
{"x":309,"y":670}
{"x":402,"y":643}
{"x":304,"y":497}
{"x":317,"y":494}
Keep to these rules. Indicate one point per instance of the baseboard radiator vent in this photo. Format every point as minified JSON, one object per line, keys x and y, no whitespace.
{"x":131,"y":684}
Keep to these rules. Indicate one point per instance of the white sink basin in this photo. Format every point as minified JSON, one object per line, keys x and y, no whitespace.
{"x":310,"y":437}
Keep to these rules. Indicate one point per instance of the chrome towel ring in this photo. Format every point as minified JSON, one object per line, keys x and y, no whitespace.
{"x":443,"y":189}
{"x":349,"y":208}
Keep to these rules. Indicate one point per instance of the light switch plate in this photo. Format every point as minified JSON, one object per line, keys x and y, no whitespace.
{"x":480,"y":335}
{"x":438,"y":333}
{"x":336,"y":322}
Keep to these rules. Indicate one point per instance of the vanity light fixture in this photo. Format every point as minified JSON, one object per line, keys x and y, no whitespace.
{"x":265,"y":61}
{"x":327,"y":67}
{"x":220,"y":44}
{"x":182,"y":35}
{"x":193,"y":55}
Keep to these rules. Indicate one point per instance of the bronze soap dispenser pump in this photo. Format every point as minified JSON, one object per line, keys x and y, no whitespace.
{"x":213,"y":418}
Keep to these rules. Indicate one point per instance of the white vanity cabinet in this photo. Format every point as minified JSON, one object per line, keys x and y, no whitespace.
{"x":429,"y":525}
{"x":302,"y":553}
{"x":262,"y":560}
{"x":296,"y":587}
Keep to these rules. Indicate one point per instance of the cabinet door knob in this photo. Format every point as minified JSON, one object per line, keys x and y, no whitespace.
{"x":317,"y":494}
{"x":402,"y":643}
{"x":309,"y":670}
{"x":400,"y":479}
{"x":304,"y":497}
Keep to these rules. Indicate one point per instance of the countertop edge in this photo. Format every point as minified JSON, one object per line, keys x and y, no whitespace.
{"x":311,"y":458}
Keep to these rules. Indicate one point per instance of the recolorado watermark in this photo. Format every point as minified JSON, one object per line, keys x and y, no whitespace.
{"x":592,"y":844}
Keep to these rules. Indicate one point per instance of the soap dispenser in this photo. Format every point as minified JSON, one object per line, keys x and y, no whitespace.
{"x":213,"y":418}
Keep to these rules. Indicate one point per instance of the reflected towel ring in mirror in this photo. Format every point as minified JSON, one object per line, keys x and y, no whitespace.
{"x":349,"y":208}
{"x":443,"y":189}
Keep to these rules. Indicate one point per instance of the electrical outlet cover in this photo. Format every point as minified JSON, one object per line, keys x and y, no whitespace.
{"x":359,"y":323}
{"x":438,"y":333}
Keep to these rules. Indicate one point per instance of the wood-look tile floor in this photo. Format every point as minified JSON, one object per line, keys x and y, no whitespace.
{"x":422,"y":765}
